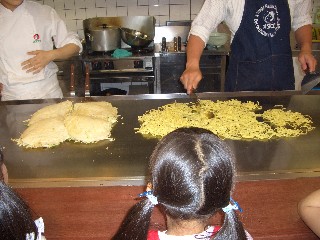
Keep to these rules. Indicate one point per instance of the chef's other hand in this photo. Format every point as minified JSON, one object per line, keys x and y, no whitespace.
{"x":39,"y":60}
{"x":307,"y":61}
{"x":190,"y":78}
{"x":1,"y":87}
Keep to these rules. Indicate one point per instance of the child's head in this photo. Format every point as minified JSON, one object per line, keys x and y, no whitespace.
{"x":3,"y":169}
{"x":15,"y":217}
{"x":192,"y":173}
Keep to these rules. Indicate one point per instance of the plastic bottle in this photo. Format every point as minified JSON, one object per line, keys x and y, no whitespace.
{"x":317,"y":16}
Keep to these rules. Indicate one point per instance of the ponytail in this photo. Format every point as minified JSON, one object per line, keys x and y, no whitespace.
{"x":232,"y":228}
{"x":135,"y":226}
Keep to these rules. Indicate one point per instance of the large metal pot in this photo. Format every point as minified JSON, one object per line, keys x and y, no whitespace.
{"x":135,"y":38}
{"x":104,"y":38}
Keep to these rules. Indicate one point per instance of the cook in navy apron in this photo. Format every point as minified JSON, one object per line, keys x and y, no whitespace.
{"x":261,"y":58}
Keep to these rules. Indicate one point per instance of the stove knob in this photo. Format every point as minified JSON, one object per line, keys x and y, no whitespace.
{"x":138,"y":64}
{"x":96,"y":66}
{"x":108,"y":65}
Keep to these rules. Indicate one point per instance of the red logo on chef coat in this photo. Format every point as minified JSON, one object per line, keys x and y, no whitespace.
{"x":36,"y":38}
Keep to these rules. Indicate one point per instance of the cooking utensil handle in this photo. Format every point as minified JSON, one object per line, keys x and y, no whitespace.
{"x":163,"y":44}
{"x":87,"y":81}
{"x":175,"y":44}
{"x":72,"y":78}
{"x":179,"y":44}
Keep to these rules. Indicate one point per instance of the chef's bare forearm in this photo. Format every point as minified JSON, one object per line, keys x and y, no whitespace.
{"x":65,"y":52}
{"x":303,"y":37}
{"x":195,"y":48}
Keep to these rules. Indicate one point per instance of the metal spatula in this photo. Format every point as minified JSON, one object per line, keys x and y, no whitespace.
{"x":309,"y":81}
{"x":195,"y":99}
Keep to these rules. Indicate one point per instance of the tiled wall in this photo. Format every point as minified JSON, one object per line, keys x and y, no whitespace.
{"x":75,"y":11}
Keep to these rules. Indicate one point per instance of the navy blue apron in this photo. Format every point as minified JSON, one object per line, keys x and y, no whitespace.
{"x":261,"y":58}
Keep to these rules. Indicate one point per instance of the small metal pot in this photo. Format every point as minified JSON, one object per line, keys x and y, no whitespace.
{"x":104,"y":38}
{"x":135,"y":38}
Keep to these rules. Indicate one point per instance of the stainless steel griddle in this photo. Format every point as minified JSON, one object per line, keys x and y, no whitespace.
{"x":125,"y":160}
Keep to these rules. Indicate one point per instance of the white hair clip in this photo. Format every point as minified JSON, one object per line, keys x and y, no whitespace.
{"x":30,"y":236}
{"x":40,"y":226}
{"x":153,"y":199}
{"x":150,"y":196}
{"x":233,"y":205}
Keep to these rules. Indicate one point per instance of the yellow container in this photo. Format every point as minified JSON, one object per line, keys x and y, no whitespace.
{"x":317,"y":33}
{"x":314,"y":34}
{"x":317,"y":16}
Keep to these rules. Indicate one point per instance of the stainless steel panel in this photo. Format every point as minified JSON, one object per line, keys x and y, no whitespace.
{"x":125,"y":160}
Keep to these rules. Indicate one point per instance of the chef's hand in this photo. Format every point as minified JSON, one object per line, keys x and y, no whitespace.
{"x":1,"y":87}
{"x":190,"y":78}
{"x":307,"y":61}
{"x":36,"y":63}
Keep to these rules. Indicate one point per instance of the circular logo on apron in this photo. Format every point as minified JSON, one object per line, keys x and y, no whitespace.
{"x":267,"y":20}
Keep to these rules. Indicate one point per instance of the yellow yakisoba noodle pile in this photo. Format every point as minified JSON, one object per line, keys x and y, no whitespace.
{"x":230,"y":119}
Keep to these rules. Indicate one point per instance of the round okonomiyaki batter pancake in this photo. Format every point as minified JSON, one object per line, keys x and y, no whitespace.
{"x":87,"y":129}
{"x":47,"y":133}
{"x":55,"y":110}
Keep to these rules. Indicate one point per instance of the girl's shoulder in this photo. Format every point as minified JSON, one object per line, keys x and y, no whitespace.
{"x":153,"y":235}
{"x":207,"y":234}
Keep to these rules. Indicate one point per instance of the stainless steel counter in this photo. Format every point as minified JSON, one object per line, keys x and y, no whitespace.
{"x":125,"y":160}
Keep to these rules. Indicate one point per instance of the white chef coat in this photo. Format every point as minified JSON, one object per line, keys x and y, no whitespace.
{"x":213,"y":12}
{"x":31,"y":26}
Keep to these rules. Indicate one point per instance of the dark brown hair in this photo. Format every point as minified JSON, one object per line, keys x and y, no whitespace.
{"x":15,"y":215}
{"x":1,"y":162}
{"x":192,"y":176}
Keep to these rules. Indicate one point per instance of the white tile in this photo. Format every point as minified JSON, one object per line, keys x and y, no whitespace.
{"x":91,"y":12}
{"x":59,"y":4}
{"x":163,"y":20}
{"x":122,"y":11}
{"x":69,"y":4}
{"x":49,"y":3}
{"x":79,"y":24}
{"x":138,"y":11}
{"x":71,"y":25}
{"x":179,"y":2}
{"x":111,"y":3}
{"x":164,"y":2}
{"x":70,"y":14}
{"x":196,"y":6}
{"x":112,"y":12}
{"x":179,"y":12}
{"x":122,"y":3}
{"x":90,"y":3}
{"x":101,"y":12}
{"x":132,"y":10}
{"x":143,"y":2}
{"x":153,"y":2}
{"x":154,"y":10}
{"x":132,"y":3}
{"x":81,"y":14}
{"x":101,"y":3}
{"x":80,"y":33}
{"x":80,"y":4}
{"x":164,"y":9}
